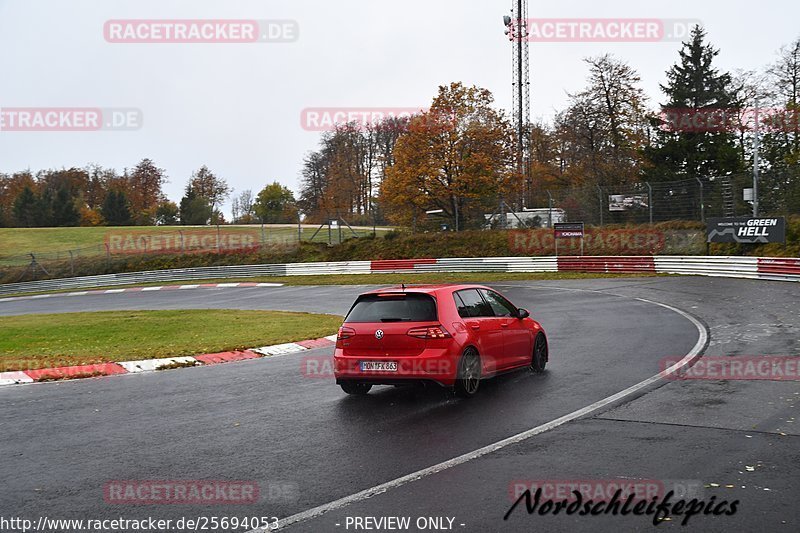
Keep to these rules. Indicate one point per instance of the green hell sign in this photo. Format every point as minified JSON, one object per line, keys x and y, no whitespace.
{"x":746,"y":230}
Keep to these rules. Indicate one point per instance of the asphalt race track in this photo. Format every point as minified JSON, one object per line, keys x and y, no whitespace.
{"x":307,"y":444}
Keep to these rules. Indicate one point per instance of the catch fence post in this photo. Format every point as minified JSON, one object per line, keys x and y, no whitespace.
{"x":600,"y":198}
{"x":702,"y":203}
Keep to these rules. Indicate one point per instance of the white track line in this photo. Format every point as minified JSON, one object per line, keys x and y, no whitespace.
{"x":130,"y":289}
{"x":461,"y":459}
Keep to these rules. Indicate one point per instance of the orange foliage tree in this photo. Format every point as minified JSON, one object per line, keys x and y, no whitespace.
{"x":457,"y":157}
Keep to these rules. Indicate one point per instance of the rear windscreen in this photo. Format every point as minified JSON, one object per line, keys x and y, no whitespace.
{"x":395,"y":308}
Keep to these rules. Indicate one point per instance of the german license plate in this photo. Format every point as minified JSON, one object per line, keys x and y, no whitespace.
{"x":379,"y":366}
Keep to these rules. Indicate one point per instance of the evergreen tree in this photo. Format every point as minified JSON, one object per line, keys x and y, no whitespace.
{"x":195,"y":209}
{"x":682,"y":150}
{"x":63,"y":209}
{"x":116,"y":209}
{"x":44,"y":208}
{"x":25,"y":205}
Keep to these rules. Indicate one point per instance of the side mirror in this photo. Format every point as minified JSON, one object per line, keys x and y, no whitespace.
{"x":523,"y":313}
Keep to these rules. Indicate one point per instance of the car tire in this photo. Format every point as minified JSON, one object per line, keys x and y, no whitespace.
{"x":355,"y":388}
{"x":540,"y":355}
{"x":469,"y":374}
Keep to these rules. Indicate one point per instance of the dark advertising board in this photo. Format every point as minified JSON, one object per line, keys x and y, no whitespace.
{"x":568,"y":230}
{"x":746,"y":230}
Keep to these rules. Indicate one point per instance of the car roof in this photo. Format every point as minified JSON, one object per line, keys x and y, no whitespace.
{"x":426,"y":289}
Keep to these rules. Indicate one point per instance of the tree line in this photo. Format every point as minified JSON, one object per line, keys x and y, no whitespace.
{"x":94,"y":195}
{"x":460,"y":157}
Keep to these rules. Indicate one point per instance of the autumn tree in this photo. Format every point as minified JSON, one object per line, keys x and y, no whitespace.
{"x":603,"y":130}
{"x":11,"y":186}
{"x":144,"y":192}
{"x":457,"y":157}
{"x":314,"y":183}
{"x":212,"y":188}
{"x":342,"y":178}
{"x":784,"y":77}
{"x":780,"y":140}
{"x":167,"y":213}
{"x":96,"y":185}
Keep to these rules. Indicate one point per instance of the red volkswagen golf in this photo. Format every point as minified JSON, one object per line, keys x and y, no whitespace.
{"x":453,"y":335}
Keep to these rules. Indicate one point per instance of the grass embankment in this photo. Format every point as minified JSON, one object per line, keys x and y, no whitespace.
{"x":90,"y":241}
{"x":43,"y":341}
{"x":668,"y":238}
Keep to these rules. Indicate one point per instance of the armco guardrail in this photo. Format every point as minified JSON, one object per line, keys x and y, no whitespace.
{"x":779,"y":269}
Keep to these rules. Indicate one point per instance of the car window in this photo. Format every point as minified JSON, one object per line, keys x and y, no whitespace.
{"x":472,"y":304}
{"x":409,"y":307}
{"x":500,"y":305}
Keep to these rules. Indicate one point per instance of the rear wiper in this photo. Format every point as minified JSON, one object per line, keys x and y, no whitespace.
{"x":393,"y":319}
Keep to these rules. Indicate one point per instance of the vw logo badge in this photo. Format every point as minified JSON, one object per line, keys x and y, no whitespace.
{"x":379,"y":334}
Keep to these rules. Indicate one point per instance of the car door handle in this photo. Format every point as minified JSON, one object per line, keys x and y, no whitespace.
{"x":504,"y":325}
{"x":475,"y":326}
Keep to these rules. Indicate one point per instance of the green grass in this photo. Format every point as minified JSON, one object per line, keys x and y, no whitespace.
{"x":89,"y":241}
{"x":42,"y":341}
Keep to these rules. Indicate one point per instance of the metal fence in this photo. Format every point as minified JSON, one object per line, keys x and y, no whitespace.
{"x":638,"y":203}
{"x":689,"y":199}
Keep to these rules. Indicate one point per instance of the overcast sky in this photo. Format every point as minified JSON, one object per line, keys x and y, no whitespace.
{"x":237,"y":107}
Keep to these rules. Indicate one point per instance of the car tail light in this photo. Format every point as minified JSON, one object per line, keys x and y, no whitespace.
{"x":344,"y":333}
{"x":429,"y":332}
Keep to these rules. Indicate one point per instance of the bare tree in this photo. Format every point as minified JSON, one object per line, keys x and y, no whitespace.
{"x":242,"y":207}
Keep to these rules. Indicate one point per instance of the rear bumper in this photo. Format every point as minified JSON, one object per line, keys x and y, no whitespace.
{"x":432,"y":365}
